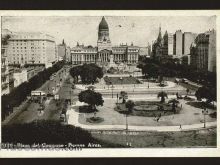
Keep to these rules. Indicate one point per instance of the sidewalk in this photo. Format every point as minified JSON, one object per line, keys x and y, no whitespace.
{"x":135,"y":86}
{"x":73,"y":118}
{"x":21,"y":108}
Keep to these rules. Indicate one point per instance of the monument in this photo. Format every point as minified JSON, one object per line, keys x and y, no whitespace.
{"x":112,"y":63}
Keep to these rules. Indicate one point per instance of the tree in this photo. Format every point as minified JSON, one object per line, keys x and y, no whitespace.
{"x":4,"y":42}
{"x":5,"y":39}
{"x":174,"y":104}
{"x":150,"y":69}
{"x":162,"y":95}
{"x":75,"y":72}
{"x":45,"y":131}
{"x":206,"y":92}
{"x":88,"y":73}
{"x":14,"y":98}
{"x":123,"y":96}
{"x":92,"y":98}
{"x":129,"y":105}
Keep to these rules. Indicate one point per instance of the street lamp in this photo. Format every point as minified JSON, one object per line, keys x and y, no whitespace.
{"x":112,"y":88}
{"x":121,"y":80}
{"x":126,"y":119}
{"x":205,"y":112}
{"x":148,"y":83}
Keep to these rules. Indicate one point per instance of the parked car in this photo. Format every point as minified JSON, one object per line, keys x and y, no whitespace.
{"x":51,"y":77}
{"x":184,"y":80}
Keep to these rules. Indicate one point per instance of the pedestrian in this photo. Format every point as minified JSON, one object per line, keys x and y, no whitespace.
{"x":180,"y":126}
{"x":181,"y":106}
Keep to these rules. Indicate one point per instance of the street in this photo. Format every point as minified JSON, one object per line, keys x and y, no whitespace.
{"x":30,"y":111}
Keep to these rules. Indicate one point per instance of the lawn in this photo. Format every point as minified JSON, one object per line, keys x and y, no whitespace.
{"x":121,"y":80}
{"x":188,"y":115}
{"x":202,"y":138}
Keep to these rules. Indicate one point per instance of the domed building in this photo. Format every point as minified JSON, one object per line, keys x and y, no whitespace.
{"x":104,"y":43}
{"x":103,"y":35}
{"x":105,"y":53}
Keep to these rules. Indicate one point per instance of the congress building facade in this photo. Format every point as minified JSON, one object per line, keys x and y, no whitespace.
{"x":101,"y":54}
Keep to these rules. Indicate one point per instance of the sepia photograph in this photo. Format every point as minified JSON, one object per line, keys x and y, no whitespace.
{"x":108,"y":82}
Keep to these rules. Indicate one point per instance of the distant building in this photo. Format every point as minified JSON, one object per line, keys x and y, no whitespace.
{"x":68,"y":54}
{"x":6,"y":34}
{"x":82,"y":54}
{"x":157,"y":49}
{"x":185,"y":60}
{"x":170,"y":43}
{"x":32,"y":71}
{"x":62,"y":51}
{"x":188,"y":39}
{"x":104,"y":42}
{"x":203,"y":51}
{"x":165,"y":44}
{"x":144,"y":51}
{"x":104,"y":50}
{"x":178,"y":43}
{"x":4,"y":75}
{"x":31,"y":48}
{"x":20,"y":76}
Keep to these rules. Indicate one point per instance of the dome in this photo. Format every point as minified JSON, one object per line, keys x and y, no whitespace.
{"x":103,"y":24}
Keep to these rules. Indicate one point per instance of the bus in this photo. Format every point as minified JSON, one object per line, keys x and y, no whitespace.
{"x":38,"y":95}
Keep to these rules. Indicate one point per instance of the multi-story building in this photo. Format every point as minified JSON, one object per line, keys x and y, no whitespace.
{"x":120,"y":53}
{"x":144,"y":51}
{"x":6,"y":34}
{"x":20,"y":76}
{"x":188,"y":39}
{"x":68,"y":54}
{"x":83,"y":54}
{"x":203,"y":51}
{"x":170,"y":43}
{"x":102,"y":53}
{"x":31,"y":48}
{"x":157,"y":46}
{"x":132,"y":54}
{"x":62,"y":50}
{"x":178,"y":42}
{"x":165,"y":44}
{"x":104,"y":42}
{"x":4,"y":74}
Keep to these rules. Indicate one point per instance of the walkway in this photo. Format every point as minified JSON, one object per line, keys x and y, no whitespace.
{"x":73,"y":119}
{"x":134,"y":88}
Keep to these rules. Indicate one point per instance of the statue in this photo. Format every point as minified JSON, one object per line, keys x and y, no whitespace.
{"x":112,"y":63}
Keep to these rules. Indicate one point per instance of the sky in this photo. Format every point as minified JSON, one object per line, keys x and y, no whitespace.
{"x":139,"y":30}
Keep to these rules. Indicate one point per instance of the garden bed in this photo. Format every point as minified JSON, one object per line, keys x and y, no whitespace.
{"x":94,"y":120}
{"x":148,"y":109}
{"x":86,"y":109}
{"x":121,"y":81}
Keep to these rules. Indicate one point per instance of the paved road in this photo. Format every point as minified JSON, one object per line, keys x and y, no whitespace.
{"x":51,"y":111}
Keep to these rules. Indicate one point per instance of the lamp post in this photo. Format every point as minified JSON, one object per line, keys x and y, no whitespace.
{"x":121,"y":80}
{"x":112,"y":88}
{"x":126,"y":121}
{"x":205,"y":112}
{"x":148,"y":83}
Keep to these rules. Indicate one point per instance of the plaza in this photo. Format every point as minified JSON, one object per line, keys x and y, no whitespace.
{"x":119,"y":91}
{"x":189,"y":117}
